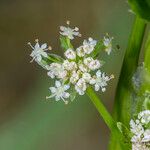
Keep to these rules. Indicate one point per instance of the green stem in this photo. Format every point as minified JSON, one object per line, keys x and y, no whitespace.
{"x":112,"y":125}
{"x":101,"y":108}
{"x":130,"y":63}
{"x":122,"y":104}
{"x":147,"y":53}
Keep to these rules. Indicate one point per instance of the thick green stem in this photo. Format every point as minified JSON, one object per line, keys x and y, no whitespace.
{"x":122,"y":104}
{"x":130,"y":63}
{"x":147,"y":53}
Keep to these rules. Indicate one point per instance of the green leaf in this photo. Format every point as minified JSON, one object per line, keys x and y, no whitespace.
{"x":147,"y":103}
{"x":124,"y":130}
{"x":126,"y":133}
{"x":141,"y":8}
{"x":65,"y":43}
{"x":99,"y":46}
{"x":54,"y":58}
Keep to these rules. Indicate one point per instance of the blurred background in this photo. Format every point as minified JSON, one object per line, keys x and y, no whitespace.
{"x":27,"y":120}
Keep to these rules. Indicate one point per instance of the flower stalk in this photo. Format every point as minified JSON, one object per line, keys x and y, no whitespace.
{"x":101,"y":108}
{"x":108,"y":119}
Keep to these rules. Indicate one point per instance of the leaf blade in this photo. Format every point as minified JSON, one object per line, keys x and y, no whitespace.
{"x":141,"y":8}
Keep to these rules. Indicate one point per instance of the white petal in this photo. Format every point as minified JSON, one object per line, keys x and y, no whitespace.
{"x":76,"y":33}
{"x":57,"y":83}
{"x":66,"y":87}
{"x":57,"y":98}
{"x":32,"y":54}
{"x":76,"y":29}
{"x":50,"y":74}
{"x":90,"y":39}
{"x":37,"y":46}
{"x":98,"y":73}
{"x":38,"y":58}
{"x":103,"y":89}
{"x":66,"y":95}
{"x":62,"y":28}
{"x":92,"y":81}
{"x":97,"y":87}
{"x":43,"y":46}
{"x":81,"y":92}
{"x":53,"y":89}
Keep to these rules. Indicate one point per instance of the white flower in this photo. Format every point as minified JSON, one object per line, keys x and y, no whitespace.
{"x":136,"y":127}
{"x":144,"y":116}
{"x":86,"y":48}
{"x":83,"y":68}
{"x":87,"y":60}
{"x":141,"y":135}
{"x":70,"y":54}
{"x":80,"y":86}
{"x":69,"y":65}
{"x":107,"y":41}
{"x":95,"y":64}
{"x":59,"y":92}
{"x":70,"y":33}
{"x":38,"y":51}
{"x":86,"y":76}
{"x":139,"y":146}
{"x":100,"y":81}
{"x":78,"y":69}
{"x":74,"y":77}
{"x":88,"y":45}
{"x":91,"y":63}
{"x":80,"y":51}
{"x":146,"y":136}
{"x":57,"y":70}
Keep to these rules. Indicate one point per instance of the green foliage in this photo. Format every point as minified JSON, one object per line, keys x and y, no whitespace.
{"x":147,"y":53}
{"x":54,"y":58}
{"x":65,"y":43}
{"x":126,"y":135}
{"x":101,"y":109}
{"x":50,"y":59}
{"x":125,"y":131}
{"x":147,"y":103}
{"x":141,"y":8}
{"x":130,"y":63}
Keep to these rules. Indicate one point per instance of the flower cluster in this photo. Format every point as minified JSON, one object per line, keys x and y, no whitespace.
{"x":78,"y":69}
{"x":141,"y":131}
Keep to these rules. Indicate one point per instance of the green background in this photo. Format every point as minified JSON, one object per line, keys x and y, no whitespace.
{"x":27,"y":120}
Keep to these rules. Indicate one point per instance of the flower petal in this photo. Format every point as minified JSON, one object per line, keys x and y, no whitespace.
{"x":43,"y":46}
{"x":57,"y":83}
{"x":37,"y":46}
